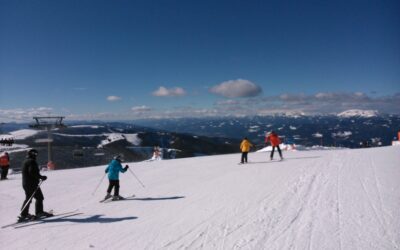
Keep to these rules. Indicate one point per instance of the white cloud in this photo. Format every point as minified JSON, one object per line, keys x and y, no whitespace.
{"x":162,"y":91}
{"x":236,"y":88}
{"x":113,"y":98}
{"x":227,"y":102}
{"x":23,"y":115}
{"x":142,"y":108}
{"x":320,"y":103}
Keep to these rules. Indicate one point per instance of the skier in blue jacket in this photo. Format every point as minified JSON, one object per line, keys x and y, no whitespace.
{"x":113,"y":170}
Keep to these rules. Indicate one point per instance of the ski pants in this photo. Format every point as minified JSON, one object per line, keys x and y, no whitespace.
{"x":38,"y":204}
{"x":279,"y":151}
{"x":4,"y":172}
{"x":244,"y":157}
{"x":113,"y":184}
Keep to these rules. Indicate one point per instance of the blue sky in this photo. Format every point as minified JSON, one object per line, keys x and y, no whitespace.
{"x":136,"y":59}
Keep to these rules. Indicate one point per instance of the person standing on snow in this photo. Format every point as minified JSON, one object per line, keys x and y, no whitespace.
{"x":30,"y":182}
{"x":273,"y":138}
{"x":245,"y":146}
{"x":5,"y":165}
{"x":113,"y":170}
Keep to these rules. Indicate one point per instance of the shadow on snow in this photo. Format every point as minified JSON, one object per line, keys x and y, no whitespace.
{"x":98,"y":218}
{"x":157,"y":198}
{"x":284,"y":159}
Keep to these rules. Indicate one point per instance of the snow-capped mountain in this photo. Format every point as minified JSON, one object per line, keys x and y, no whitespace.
{"x":336,"y":199}
{"x":358,"y":113}
{"x":327,"y":130}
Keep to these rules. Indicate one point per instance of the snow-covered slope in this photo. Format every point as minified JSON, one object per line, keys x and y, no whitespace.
{"x":23,"y":133}
{"x":340,"y":199}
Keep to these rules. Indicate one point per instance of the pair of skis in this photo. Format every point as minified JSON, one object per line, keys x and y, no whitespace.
{"x":43,"y":218}
{"x":110,"y":199}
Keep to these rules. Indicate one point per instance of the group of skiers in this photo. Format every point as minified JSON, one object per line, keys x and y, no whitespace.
{"x":272,"y":137}
{"x":32,"y":179}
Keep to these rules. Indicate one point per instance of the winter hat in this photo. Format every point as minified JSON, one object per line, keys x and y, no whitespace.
{"x":32,"y":153}
{"x":118,"y":158}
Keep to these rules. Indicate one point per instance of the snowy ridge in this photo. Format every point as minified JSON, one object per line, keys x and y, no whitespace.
{"x":359,"y":113}
{"x":23,"y":133}
{"x":331,"y":199}
{"x":112,"y":137}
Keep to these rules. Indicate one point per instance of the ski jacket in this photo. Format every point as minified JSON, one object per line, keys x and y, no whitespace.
{"x":274,"y":139}
{"x":245,"y":146}
{"x":4,"y":160}
{"x":113,"y":170}
{"x":30,"y":174}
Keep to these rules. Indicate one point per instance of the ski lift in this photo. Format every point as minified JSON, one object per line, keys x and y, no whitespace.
{"x":77,"y":153}
{"x":99,"y":152}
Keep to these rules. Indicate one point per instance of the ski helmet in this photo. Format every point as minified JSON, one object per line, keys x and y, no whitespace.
{"x":118,"y":158}
{"x":32,"y":153}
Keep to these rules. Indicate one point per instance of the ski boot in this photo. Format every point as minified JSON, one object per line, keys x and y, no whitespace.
{"x":108,"y":195}
{"x":117,"y":198}
{"x":43,"y":215}
{"x":27,"y":217}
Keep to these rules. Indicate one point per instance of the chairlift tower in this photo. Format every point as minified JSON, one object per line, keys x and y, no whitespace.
{"x":48,"y":123}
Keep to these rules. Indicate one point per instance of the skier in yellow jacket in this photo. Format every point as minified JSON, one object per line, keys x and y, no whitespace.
{"x":245,"y":146}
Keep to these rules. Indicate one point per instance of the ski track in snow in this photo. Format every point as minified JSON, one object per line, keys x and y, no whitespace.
{"x":342,"y":199}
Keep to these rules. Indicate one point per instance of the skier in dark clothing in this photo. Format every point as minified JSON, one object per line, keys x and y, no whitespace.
{"x":113,"y":170}
{"x":31,"y":178}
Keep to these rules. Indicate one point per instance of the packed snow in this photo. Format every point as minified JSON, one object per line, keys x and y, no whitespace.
{"x":332,"y":199}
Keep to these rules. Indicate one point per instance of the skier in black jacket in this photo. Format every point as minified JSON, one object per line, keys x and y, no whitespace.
{"x":30,"y":182}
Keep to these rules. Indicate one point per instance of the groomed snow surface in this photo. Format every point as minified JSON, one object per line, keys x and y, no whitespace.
{"x":339,"y":199}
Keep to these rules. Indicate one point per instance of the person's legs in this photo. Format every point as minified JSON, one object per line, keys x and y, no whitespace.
{"x":280,"y":152}
{"x":116,"y":190}
{"x":245,"y":156}
{"x":3,"y":173}
{"x":28,"y":194}
{"x":6,"y":172}
{"x":39,"y":202}
{"x":109,"y":189}
{"x":242,"y":159}
{"x":272,"y":152}
{"x":110,"y":186}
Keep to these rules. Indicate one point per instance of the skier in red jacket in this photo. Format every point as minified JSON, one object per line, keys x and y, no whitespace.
{"x":275,"y":141}
{"x":4,"y":164}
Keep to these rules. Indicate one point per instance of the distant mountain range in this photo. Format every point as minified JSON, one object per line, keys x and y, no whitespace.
{"x":352,"y":129}
{"x":95,"y":143}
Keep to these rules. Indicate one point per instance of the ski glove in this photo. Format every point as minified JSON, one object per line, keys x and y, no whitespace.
{"x":43,"y":177}
{"x":126,"y":167}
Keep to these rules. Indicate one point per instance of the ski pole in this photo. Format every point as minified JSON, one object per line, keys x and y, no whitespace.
{"x":98,"y":185}
{"x":29,"y":201}
{"x":136,"y":177}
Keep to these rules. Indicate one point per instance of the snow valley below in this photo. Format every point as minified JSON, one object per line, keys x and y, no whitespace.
{"x":330,"y":199}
